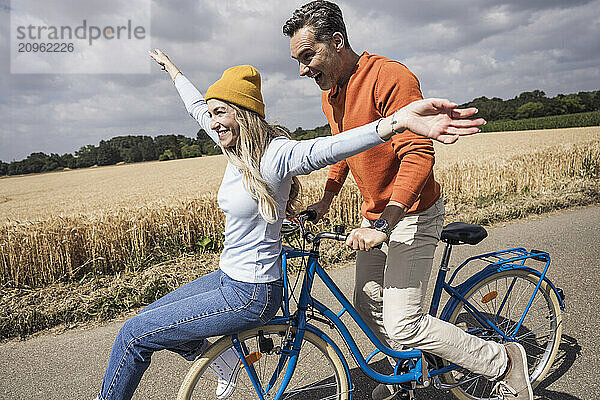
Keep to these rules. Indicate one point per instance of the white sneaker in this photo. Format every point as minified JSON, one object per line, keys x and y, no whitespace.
{"x":227,"y":369}
{"x":515,"y":384}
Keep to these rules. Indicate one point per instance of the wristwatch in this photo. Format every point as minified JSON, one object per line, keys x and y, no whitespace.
{"x":382,"y":226}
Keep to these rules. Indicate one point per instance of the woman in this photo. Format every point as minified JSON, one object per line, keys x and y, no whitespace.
{"x":258,"y":188}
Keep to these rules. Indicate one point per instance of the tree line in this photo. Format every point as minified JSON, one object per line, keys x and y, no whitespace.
{"x":120,"y":149}
{"x":132,"y":148}
{"x":535,"y":104}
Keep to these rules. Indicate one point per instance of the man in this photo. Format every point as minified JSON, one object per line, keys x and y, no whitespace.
{"x":402,"y":208}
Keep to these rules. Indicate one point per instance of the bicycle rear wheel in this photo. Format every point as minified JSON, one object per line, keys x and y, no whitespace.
{"x":319,"y":372}
{"x":502,"y":298}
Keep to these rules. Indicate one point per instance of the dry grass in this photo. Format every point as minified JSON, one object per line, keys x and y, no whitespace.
{"x":35,"y":253}
{"x":24,"y":311}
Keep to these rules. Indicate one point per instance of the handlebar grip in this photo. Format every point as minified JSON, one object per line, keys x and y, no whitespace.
{"x":310,"y":215}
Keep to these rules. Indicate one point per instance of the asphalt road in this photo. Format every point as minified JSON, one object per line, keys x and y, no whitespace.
{"x":70,"y":365}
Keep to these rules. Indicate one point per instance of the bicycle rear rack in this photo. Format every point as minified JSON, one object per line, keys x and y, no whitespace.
{"x":507,"y":259}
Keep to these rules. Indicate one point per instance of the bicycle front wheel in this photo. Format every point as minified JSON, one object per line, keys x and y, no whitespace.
{"x":319,"y":372}
{"x":502,"y":298}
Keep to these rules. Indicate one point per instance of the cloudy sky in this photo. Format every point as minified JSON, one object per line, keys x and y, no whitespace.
{"x":459,"y":49}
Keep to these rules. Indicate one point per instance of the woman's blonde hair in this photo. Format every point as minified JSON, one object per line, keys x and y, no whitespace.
{"x":255,"y":136}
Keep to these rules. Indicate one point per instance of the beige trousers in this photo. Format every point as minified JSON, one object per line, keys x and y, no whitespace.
{"x":388,"y":294}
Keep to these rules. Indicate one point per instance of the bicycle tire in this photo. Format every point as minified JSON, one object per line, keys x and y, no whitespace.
{"x":319,"y":372}
{"x":540,"y":332}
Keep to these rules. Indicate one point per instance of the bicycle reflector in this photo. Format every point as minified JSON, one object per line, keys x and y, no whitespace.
{"x":489,"y":297}
{"x":253,"y":357}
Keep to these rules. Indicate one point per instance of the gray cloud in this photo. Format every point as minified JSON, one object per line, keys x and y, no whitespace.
{"x":458,"y":49}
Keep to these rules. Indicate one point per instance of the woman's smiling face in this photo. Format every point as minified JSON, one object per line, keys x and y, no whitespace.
{"x":222,"y":121}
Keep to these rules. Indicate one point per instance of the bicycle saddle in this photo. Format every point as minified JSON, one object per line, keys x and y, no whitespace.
{"x":461,"y":232}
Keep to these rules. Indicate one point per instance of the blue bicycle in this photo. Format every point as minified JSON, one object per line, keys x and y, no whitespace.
{"x":292,"y":357}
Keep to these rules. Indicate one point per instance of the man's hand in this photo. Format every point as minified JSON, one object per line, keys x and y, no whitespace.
{"x":438,"y":119}
{"x":365,"y":238}
{"x":322,"y":206}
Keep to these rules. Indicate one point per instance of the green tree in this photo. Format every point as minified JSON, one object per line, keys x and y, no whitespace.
{"x":34,"y":163}
{"x":16,"y":168}
{"x":167,"y":142}
{"x":206,"y":144}
{"x":571,"y":104}
{"x":86,"y":156}
{"x":67,"y":160}
{"x":530,"y":110}
{"x":586,"y":99}
{"x":167,"y":155}
{"x":147,"y":148}
{"x":131,"y":154}
{"x":189,"y":151}
{"x":319,"y":131}
{"x":596,"y":100}
{"x":52,"y":163}
{"x":107,"y":154}
{"x":535,"y":96}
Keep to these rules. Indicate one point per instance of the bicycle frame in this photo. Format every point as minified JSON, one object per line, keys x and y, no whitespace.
{"x":314,"y":268}
{"x":419,"y":373}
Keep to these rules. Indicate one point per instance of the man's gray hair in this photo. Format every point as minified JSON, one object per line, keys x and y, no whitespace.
{"x":323,"y":16}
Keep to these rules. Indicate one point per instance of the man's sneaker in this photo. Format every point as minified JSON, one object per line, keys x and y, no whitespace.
{"x":515,"y":383}
{"x":227,"y":369}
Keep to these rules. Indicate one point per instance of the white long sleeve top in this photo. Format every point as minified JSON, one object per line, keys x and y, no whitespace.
{"x":252,"y":246}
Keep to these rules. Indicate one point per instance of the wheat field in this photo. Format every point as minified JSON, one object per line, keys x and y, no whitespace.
{"x":64,"y":225}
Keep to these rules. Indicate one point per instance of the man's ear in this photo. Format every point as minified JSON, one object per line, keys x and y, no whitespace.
{"x":338,"y":41}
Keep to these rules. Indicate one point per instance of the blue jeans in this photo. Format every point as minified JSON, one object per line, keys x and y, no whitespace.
{"x":212,"y":305}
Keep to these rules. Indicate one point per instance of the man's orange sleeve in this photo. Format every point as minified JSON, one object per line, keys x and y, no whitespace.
{"x":337,"y":176}
{"x":397,"y":87}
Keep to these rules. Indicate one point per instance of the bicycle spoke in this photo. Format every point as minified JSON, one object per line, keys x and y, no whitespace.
{"x":294,"y":392}
{"x":531,"y":332}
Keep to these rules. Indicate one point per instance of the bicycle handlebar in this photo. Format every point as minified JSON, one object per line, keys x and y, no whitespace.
{"x":330,"y":235}
{"x":311,"y":215}
{"x":308,"y":215}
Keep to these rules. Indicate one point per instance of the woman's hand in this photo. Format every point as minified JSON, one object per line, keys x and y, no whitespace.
{"x":437,"y":119}
{"x":165,"y":62}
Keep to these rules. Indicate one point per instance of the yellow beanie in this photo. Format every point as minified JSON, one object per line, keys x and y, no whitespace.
{"x":241,"y":86}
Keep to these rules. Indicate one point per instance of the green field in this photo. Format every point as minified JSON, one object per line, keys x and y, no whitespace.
{"x":552,"y":122}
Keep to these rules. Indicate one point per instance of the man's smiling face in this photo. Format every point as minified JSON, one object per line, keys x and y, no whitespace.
{"x":316,"y":60}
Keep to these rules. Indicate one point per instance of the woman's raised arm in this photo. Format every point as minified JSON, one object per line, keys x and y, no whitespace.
{"x":192,"y":98}
{"x":165,"y":63}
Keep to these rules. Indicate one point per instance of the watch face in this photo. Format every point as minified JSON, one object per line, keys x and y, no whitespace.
{"x":380,"y":224}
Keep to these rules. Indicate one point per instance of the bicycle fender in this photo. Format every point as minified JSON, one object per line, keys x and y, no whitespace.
{"x":557,"y":291}
{"x":313,"y":329}
{"x":467,"y":285}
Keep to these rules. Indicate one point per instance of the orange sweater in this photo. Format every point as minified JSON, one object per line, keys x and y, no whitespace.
{"x":400,"y":169}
